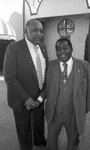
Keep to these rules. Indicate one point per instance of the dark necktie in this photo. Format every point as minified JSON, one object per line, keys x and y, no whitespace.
{"x":39,"y":67}
{"x":64,"y":72}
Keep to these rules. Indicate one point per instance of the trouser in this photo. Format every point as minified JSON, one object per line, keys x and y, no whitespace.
{"x":60,"y":120}
{"x":25,"y":124}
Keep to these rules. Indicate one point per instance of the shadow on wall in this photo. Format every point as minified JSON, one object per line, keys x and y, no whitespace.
{"x":16,"y":20}
{"x":3,"y":46}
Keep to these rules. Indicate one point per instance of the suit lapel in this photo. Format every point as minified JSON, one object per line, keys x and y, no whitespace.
{"x":77,"y":77}
{"x":56,"y":74}
{"x":28,"y":58}
{"x":43,"y":50}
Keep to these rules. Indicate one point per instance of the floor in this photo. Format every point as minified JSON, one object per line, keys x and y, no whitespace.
{"x":8,"y":136}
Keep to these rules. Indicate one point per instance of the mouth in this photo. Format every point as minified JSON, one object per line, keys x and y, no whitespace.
{"x":63,"y":55}
{"x":38,"y":39}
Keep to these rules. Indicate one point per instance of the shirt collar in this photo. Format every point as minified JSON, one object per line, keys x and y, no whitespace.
{"x":69,"y":62}
{"x":29,"y":43}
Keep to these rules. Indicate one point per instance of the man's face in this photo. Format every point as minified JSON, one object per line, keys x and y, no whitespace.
{"x":35,"y":32}
{"x":63,"y":51}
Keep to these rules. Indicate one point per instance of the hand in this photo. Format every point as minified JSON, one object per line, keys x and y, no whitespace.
{"x":28,"y":108}
{"x":29,"y":102}
{"x":34,"y":105}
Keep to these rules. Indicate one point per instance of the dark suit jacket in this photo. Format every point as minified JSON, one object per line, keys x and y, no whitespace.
{"x":20,"y":74}
{"x":81,"y":90}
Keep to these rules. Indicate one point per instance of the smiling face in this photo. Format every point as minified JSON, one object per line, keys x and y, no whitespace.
{"x":34,"y":32}
{"x":63,"y":50}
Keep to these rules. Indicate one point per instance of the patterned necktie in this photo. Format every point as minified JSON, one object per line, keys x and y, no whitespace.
{"x":39,"y":67}
{"x":64,"y":72}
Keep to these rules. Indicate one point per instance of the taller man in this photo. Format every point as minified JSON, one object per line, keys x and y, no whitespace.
{"x":25,"y":90}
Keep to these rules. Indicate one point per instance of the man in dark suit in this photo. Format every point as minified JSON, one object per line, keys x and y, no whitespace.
{"x":26,"y":94}
{"x":68,"y":96}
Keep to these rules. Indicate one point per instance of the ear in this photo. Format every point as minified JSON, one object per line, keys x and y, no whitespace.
{"x":72,"y":49}
{"x":25,"y":30}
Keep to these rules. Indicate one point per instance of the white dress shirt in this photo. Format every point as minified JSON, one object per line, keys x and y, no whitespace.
{"x":33,"y":55}
{"x":69,"y":66}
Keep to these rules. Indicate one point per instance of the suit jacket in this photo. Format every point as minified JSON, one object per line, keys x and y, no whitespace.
{"x":20,"y":74}
{"x":81,"y":90}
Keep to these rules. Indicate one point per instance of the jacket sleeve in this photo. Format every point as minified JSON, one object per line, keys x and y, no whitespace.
{"x":88,"y":90}
{"x":10,"y":75}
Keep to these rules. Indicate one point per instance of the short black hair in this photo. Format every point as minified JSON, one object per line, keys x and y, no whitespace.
{"x":32,"y":20}
{"x":62,"y":40}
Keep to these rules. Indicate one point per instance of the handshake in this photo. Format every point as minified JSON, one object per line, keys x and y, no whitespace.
{"x":31,"y":104}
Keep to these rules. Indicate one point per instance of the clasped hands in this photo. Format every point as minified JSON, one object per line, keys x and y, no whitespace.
{"x":31,"y":104}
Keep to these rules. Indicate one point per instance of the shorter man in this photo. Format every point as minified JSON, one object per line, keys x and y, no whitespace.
{"x":68,"y":96}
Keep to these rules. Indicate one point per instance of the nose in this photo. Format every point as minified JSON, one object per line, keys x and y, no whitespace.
{"x":62,"y":50}
{"x":40,"y":33}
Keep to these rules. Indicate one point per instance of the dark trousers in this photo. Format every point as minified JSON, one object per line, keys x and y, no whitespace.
{"x":69,"y":121}
{"x":26,"y":121}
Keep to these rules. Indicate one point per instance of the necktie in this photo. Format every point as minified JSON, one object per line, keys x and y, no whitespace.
{"x":39,"y":67}
{"x":64,"y":72}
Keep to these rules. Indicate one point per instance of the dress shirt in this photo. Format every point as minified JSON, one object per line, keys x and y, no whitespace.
{"x":33,"y":55}
{"x":69,"y":66}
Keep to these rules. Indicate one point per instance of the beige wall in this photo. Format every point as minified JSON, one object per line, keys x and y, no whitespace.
{"x":78,"y":37}
{"x":50,"y":8}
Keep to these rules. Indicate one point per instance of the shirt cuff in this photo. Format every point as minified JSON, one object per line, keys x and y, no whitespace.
{"x":40,"y":99}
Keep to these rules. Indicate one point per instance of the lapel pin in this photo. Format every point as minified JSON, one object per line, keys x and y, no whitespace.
{"x":84,"y":80}
{"x":78,"y":71}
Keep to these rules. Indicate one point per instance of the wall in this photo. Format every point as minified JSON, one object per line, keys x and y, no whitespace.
{"x":78,"y":37}
{"x":12,"y":12}
{"x":52,"y":11}
{"x":50,"y":8}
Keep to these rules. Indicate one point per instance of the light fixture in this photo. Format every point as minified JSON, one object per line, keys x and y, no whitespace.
{"x":6,"y":31}
{"x":88,"y":3}
{"x":33,"y":6}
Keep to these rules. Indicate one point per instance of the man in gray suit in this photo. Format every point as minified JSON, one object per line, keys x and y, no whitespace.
{"x":25,"y":92}
{"x":68,"y":96}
